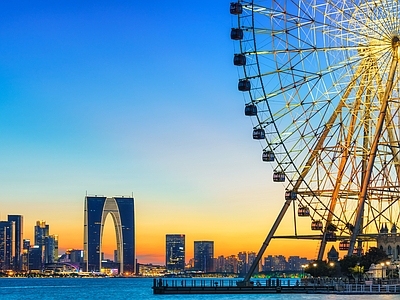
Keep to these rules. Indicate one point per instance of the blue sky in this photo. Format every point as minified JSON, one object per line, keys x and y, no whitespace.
{"x":119,"y":97}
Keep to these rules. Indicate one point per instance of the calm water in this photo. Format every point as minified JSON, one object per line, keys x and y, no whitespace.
{"x":125,"y":288}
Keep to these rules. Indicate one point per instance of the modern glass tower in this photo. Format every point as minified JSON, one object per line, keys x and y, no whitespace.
{"x":17,"y":240}
{"x":175,"y":252}
{"x":50,"y":249}
{"x":204,"y":256}
{"x":6,"y":245}
{"x":41,"y":232}
{"x":121,"y":210}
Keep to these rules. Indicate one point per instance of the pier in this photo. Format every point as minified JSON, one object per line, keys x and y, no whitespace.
{"x":270,"y":286}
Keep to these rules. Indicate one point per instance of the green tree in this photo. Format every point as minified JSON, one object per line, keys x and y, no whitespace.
{"x":348,"y":263}
{"x":357,"y":272}
{"x":373,"y":256}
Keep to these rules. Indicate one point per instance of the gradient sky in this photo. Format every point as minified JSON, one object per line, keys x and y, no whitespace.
{"x":120,"y":97}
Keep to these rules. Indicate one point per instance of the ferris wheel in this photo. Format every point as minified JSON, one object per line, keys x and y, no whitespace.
{"x":321,"y":83}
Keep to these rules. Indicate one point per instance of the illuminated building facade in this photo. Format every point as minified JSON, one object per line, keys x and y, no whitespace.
{"x":121,"y":210}
{"x":35,"y":258}
{"x":296,"y":263}
{"x":175,"y":252}
{"x":242,"y":263}
{"x":204,"y":256}
{"x":76,"y":256}
{"x":17,"y":241}
{"x":275,"y":263}
{"x":150,"y":270}
{"x":251,"y":256}
{"x":41,"y":232}
{"x":11,"y":243}
{"x":50,"y":249}
{"x":6,"y":242}
{"x":26,"y":245}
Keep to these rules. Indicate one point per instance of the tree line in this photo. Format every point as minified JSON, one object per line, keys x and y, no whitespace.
{"x":351,"y":266}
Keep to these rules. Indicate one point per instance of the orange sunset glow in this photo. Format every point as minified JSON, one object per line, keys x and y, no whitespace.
{"x":232,"y":224}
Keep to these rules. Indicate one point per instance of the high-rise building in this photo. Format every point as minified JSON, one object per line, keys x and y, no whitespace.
{"x":220,"y":264}
{"x":122,"y":211}
{"x":251,"y":257}
{"x":175,"y":252}
{"x":231,"y":264}
{"x":35,"y":258}
{"x":41,"y":231}
{"x":204,"y":256}
{"x":242,"y":263}
{"x":72,"y":257}
{"x":76,"y":256}
{"x":275,"y":263}
{"x":26,"y":245}
{"x":6,"y":245}
{"x":17,"y":241}
{"x":50,"y":249}
{"x":295,"y":263}
{"x":11,"y":243}
{"x":47,"y":244}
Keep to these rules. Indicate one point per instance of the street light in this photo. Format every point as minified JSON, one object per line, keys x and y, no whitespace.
{"x":358,"y":272}
{"x":302,"y":269}
{"x":387,"y":268}
{"x":331,"y":269}
{"x":315,"y":270}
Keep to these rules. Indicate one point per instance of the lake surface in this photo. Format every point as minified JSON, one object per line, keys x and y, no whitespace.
{"x":128,"y":288}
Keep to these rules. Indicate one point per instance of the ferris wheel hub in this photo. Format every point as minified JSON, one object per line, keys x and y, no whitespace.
{"x":396,"y":46}
{"x":395,"y":41}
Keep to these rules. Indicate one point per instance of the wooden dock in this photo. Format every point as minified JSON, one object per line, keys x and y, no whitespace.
{"x":219,"y":286}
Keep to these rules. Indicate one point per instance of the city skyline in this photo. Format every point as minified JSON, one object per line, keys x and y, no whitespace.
{"x":43,"y":252}
{"x":42,"y":236}
{"x":102,"y":98}
{"x":109,"y":244}
{"x":43,"y":256}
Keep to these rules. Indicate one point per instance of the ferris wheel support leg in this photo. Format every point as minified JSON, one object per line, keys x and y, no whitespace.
{"x":266,"y":242}
{"x":344,"y":158}
{"x":374,"y":146}
{"x":322,"y":248}
{"x":390,"y":126}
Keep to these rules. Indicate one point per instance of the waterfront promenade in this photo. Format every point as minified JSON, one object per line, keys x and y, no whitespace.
{"x":272,"y":286}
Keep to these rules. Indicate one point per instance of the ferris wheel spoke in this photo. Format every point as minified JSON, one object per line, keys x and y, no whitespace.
{"x":390,"y":125}
{"x":357,"y":15}
{"x":341,"y":168}
{"x":374,"y":146}
{"x":311,"y":50}
{"x":377,"y":213}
